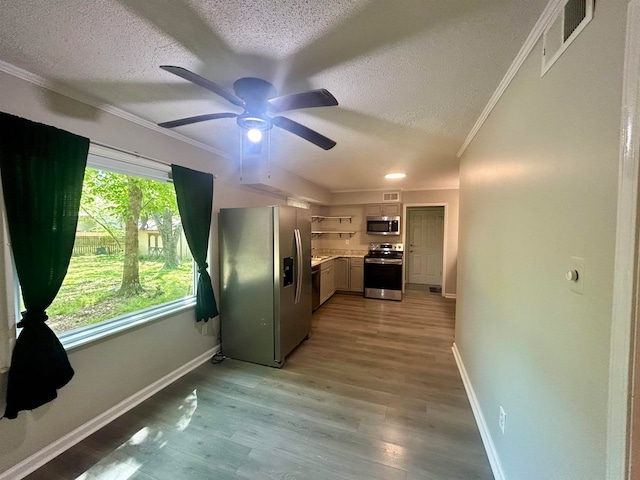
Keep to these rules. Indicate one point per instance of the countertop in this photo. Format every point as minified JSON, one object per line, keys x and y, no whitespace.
{"x":327,"y":258}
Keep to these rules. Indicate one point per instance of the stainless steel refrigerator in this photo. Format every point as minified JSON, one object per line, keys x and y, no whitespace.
{"x":265,"y":282}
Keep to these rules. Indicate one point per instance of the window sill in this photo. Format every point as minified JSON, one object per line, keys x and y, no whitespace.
{"x":92,"y":333}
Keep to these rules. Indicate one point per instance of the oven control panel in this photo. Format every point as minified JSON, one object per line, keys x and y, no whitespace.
{"x":386,"y":247}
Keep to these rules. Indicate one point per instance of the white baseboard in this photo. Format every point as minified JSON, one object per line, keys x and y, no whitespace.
{"x":489,"y":446}
{"x":35,"y":461}
{"x":449,"y":295}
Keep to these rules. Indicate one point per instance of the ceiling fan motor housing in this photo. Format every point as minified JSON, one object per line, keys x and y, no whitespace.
{"x":255,"y":92}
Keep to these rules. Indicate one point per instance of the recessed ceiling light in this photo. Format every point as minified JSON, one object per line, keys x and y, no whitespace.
{"x":395,"y":175}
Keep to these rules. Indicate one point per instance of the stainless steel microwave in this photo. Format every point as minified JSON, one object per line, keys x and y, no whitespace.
{"x":383,"y":225}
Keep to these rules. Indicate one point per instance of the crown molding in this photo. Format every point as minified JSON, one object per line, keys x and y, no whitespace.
{"x":86,"y":99}
{"x":530,"y":42}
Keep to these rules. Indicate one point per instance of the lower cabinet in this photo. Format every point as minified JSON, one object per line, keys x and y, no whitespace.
{"x":356,"y":275}
{"x":349,"y":274}
{"x":327,"y":280}
{"x":342,"y":273}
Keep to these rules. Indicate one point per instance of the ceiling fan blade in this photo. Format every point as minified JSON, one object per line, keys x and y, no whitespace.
{"x":199,"y":118}
{"x":313,"y":98}
{"x":304,"y":132}
{"x":204,"y":83}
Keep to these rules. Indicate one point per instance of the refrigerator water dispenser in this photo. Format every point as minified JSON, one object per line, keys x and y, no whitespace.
{"x":287,"y":269}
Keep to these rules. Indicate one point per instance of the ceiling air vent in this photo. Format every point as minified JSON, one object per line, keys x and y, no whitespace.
{"x":391,"y":197}
{"x":566,"y":24}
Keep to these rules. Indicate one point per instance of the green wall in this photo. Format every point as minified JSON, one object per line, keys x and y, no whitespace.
{"x":539,"y":185}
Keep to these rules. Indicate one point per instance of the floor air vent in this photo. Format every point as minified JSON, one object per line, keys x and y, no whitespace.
{"x":567,"y":23}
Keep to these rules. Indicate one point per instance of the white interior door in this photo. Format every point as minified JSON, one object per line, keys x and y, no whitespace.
{"x":426,"y":242}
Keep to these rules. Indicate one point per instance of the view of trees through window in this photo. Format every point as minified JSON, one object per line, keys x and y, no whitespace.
{"x":130,"y":252}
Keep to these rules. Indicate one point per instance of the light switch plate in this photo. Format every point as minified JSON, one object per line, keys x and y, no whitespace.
{"x":577,"y":264}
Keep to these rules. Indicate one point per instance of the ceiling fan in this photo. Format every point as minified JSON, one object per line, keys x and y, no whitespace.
{"x":258,"y":99}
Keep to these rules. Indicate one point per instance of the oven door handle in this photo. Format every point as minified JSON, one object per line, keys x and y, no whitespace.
{"x":384,"y":261}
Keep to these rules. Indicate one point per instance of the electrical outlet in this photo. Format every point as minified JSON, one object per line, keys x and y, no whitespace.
{"x":346,"y":242}
{"x":502,"y":419}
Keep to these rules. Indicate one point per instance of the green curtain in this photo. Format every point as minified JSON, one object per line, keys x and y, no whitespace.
{"x":42,"y":170}
{"x":194,"y":193}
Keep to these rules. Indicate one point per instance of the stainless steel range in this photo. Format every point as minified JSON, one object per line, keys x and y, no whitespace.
{"x":383,"y":271}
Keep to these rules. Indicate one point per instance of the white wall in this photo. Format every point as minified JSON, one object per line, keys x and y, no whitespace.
{"x":111,"y":370}
{"x":538,"y":185}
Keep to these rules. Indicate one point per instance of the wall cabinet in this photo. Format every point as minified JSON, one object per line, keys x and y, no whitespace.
{"x":383,"y":209}
{"x":327,"y":280}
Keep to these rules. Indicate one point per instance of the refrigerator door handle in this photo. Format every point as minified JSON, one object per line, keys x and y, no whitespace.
{"x":301,"y":266}
{"x":296,"y":234}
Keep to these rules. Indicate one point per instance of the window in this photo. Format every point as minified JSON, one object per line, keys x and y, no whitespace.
{"x":130,"y":261}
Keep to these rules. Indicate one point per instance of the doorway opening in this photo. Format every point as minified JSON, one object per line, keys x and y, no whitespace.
{"x":424,"y":249}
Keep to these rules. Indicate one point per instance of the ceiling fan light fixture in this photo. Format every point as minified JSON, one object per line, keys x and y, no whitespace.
{"x":393,"y":176}
{"x":254,"y":135}
{"x":254,"y":122}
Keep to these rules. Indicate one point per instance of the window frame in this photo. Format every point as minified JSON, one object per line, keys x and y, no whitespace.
{"x":114,"y":160}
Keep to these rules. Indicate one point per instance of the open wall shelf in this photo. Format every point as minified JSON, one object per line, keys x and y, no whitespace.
{"x":320,"y":218}
{"x":317,"y":233}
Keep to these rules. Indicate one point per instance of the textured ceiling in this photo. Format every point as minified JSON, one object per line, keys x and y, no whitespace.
{"x":411,"y":76}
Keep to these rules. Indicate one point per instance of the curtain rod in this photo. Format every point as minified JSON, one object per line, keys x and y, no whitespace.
{"x":135,"y":154}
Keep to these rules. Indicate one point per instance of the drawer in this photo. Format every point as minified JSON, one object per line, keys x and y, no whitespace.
{"x":357,"y":261}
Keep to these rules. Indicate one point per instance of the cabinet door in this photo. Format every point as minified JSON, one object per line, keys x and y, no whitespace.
{"x":342,"y":274}
{"x":327,"y":281}
{"x":324,"y":285}
{"x":374,"y":210}
{"x":391,"y":209}
{"x":332,"y":281}
{"x":356,"y":278}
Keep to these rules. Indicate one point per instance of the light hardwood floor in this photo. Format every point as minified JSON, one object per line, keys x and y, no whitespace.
{"x":373,"y":394}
